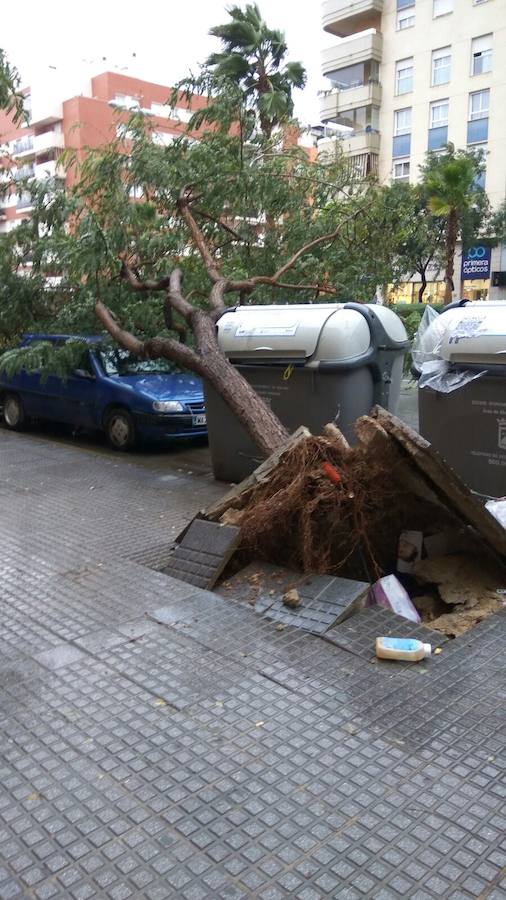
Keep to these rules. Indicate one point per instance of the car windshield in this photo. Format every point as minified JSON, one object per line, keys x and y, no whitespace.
{"x":121,"y":362}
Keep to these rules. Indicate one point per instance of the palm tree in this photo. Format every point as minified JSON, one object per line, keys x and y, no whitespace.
{"x":253,"y":58}
{"x":449,"y":181}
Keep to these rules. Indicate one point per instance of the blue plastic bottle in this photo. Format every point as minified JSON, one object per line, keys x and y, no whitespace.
{"x":407,"y":649}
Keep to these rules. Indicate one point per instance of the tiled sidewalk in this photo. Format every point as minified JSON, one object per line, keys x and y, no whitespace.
{"x":208,"y":754}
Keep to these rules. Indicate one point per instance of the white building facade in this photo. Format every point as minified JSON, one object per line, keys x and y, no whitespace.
{"x":412,"y":75}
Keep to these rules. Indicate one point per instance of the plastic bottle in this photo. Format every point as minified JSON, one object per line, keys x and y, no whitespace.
{"x":407,"y":649}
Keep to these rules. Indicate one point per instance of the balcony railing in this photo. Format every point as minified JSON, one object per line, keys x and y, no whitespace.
{"x":22,"y":145}
{"x":23,"y":172}
{"x":345,"y":17}
{"x":334,"y":104}
{"x":24,"y":201}
{"x":401,"y":145}
{"x":49,"y":140}
{"x":358,"y":49}
{"x":438,"y":137}
{"x":477,"y":131}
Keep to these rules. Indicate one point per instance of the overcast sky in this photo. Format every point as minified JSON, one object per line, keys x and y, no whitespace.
{"x":168,"y":38}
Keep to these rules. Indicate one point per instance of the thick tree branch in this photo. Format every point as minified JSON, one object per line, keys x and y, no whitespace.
{"x":146,"y":285}
{"x":324,"y":238}
{"x":150,"y":349}
{"x":235,"y":234}
{"x":223,"y":286}
{"x":199,"y":239}
{"x":216,"y":298}
{"x":171,"y":324}
{"x":124,"y":338}
{"x":175,"y":296}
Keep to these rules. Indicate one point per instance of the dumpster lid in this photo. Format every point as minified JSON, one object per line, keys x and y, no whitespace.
{"x":297,"y":332}
{"x":291,"y":330}
{"x":474,"y":334}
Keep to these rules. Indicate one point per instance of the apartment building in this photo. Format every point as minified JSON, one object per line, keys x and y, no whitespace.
{"x":409,"y":76}
{"x":72,"y":110}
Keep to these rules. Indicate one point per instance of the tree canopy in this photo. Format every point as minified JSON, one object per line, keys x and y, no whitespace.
{"x":11,"y":97}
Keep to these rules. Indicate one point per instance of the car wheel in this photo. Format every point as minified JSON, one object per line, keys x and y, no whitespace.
{"x":14,"y":414}
{"x":120,"y":429}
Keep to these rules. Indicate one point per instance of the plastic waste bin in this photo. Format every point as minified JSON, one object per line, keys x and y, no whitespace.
{"x":462,"y":392}
{"x":313,"y":364}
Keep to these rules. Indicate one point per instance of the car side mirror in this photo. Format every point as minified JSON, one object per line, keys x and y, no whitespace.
{"x":82,"y":373}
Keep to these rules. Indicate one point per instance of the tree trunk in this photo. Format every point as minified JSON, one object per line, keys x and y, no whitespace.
{"x":423,"y":285}
{"x":262,"y":425}
{"x":450,"y":245}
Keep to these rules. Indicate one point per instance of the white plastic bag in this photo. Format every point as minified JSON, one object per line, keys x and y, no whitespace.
{"x":438,"y":375}
{"x":427,"y":339}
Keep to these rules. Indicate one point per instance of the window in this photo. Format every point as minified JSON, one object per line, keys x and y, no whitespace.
{"x":401,"y":170}
{"x":401,"y":145}
{"x":438,"y":125}
{"x":477,"y":126}
{"x":162,"y":138}
{"x":180,"y":114}
{"x":442,"y":7}
{"x":441,"y":65}
{"x":161,"y":109}
{"x":402,"y":121}
{"x":438,"y":113}
{"x":124,"y":133}
{"x":481,"y":151}
{"x":479,"y":104}
{"x":125,"y":101}
{"x":27,"y":105}
{"x":405,"y":18}
{"x":404,"y":76}
{"x":481,"y":55}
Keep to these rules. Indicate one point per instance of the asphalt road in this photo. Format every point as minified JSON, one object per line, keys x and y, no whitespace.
{"x":189,"y":457}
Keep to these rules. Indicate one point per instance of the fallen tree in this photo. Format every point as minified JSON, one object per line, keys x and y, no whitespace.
{"x":319,"y":505}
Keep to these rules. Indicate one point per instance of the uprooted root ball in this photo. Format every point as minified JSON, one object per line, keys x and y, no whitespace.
{"x":322,"y":511}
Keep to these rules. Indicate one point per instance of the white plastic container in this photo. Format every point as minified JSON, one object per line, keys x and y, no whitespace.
{"x":407,"y":649}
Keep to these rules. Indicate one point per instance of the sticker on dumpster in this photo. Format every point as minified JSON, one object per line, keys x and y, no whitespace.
{"x":501,"y":436}
{"x":267,"y":331}
{"x":466,"y":328}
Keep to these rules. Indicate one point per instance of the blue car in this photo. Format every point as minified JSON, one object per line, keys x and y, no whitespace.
{"x":112,"y":391}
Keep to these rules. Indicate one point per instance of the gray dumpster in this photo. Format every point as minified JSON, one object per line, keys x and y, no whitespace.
{"x":462,"y":393}
{"x":312,"y":364}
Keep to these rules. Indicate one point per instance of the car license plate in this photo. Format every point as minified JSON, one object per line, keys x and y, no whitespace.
{"x":199,"y":420}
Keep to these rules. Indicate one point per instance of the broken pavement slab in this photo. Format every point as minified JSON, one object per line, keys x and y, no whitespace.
{"x":358,"y":634}
{"x":203,"y":553}
{"x":323,"y":599}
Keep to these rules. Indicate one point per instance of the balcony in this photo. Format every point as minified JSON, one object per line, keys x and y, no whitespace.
{"x":334,"y":104}
{"x":25,"y":201}
{"x":345,"y":17}
{"x":49,"y":169}
{"x":23,"y":147}
{"x":49,"y":140}
{"x":353,"y":50}
{"x":354,"y":143}
{"x":22,"y":173}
